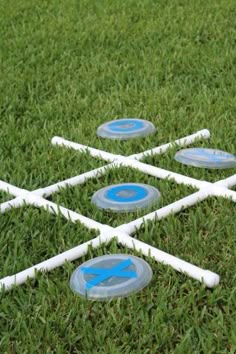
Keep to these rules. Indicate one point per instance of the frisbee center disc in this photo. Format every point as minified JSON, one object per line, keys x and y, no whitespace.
{"x":126,"y":197}
{"x":126,"y":194}
{"x":126,"y":125}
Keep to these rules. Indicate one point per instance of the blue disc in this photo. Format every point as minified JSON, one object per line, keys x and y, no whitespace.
{"x":125,"y":197}
{"x":206,"y":158}
{"x":110,"y":276}
{"x":125,"y":128}
{"x":126,"y":125}
{"x":126,"y":193}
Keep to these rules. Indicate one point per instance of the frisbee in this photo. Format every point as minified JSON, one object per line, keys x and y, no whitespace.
{"x":126,"y":197}
{"x":110,"y":276}
{"x":206,"y":158}
{"x":125,"y":128}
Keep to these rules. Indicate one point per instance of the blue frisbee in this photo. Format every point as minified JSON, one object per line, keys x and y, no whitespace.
{"x":126,"y":128}
{"x":126,"y":197}
{"x":206,"y":158}
{"x":110,"y":276}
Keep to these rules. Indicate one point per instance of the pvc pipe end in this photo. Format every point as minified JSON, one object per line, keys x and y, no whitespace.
{"x":205,"y":133}
{"x":211,"y":279}
{"x":55,"y":140}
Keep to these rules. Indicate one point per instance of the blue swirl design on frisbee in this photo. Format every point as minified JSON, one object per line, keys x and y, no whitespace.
{"x":126,"y":125}
{"x":126,"y":193}
{"x":206,"y":158}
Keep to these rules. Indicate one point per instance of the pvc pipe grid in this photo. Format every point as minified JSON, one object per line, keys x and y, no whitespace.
{"x":121,"y":233}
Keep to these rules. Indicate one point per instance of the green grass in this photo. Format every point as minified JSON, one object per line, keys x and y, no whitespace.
{"x":67,"y":67}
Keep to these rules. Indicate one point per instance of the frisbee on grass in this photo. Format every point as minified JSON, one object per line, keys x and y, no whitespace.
{"x":206,"y":158}
{"x":125,"y":128}
{"x":126,"y":197}
{"x":110,"y":276}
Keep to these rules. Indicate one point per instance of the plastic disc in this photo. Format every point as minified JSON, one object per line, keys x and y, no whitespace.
{"x":126,"y":128}
{"x":110,"y":276}
{"x":126,"y":197}
{"x":206,"y":158}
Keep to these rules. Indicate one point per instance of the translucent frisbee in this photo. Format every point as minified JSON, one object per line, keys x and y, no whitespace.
{"x":206,"y":158}
{"x":126,"y":197}
{"x":126,"y":128}
{"x":110,"y":276}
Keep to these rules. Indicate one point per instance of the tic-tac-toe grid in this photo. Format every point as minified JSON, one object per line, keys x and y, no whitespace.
{"x":121,"y":233}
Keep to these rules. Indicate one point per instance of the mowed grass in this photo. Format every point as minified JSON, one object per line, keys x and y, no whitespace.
{"x":67,"y":67}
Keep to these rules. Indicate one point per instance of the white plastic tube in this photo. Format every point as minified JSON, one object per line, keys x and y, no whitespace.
{"x":44,"y":192}
{"x":52,"y":263}
{"x":201,"y":134}
{"x":68,"y":214}
{"x":13,"y":190}
{"x":32,"y":199}
{"x":205,"y":134}
{"x":107,"y":233}
{"x":187,"y":140}
{"x":131,"y":162}
{"x":11,"y":204}
{"x":164,"y":174}
{"x":227,"y":182}
{"x":224,"y":192}
{"x":163,"y":212}
{"x":56,"y":140}
{"x":80,"y":179}
{"x":207,"y":277}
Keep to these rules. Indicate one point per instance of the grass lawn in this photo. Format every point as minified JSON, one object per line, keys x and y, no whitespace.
{"x":66,"y":67}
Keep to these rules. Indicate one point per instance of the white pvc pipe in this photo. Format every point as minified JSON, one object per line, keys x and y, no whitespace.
{"x":32,"y":199}
{"x":44,"y":192}
{"x":121,"y":232}
{"x":130,"y":162}
{"x":205,"y":134}
{"x":11,"y":204}
{"x":227,"y":182}
{"x":67,"y":213}
{"x":207,"y":277}
{"x":187,"y":140}
{"x":56,"y":140}
{"x":163,"y":212}
{"x":47,"y":191}
{"x":80,"y":179}
{"x":164,"y":174}
{"x":10,"y":189}
{"x":224,"y":192}
{"x":52,"y":263}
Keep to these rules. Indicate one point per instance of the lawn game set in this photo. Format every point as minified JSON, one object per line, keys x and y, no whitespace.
{"x":118,"y":275}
